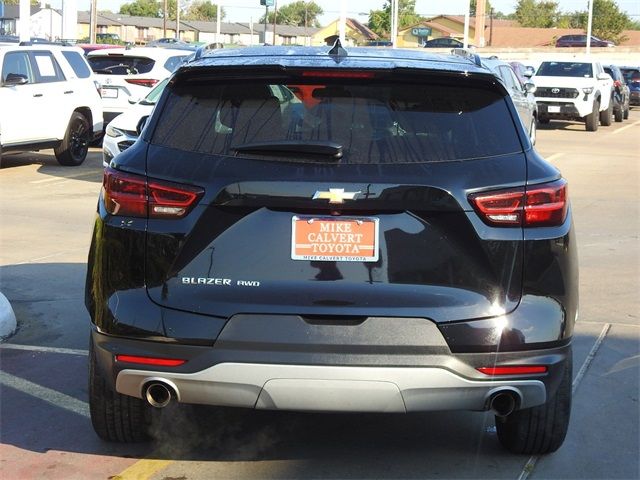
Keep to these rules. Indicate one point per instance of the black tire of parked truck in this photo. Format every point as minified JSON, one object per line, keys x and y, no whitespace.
{"x":591,"y":120}
{"x":606,"y":116}
{"x":115,"y":417}
{"x":540,"y":429}
{"x":74,"y":147}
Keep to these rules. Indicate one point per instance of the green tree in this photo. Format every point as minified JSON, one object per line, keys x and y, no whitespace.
{"x":143,"y":8}
{"x":298,"y":13}
{"x":17,"y":2}
{"x":608,"y":21}
{"x":380,"y":20}
{"x":473,"y":6}
{"x":203,"y":10}
{"x":541,"y":14}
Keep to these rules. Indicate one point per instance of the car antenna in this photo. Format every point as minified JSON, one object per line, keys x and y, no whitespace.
{"x":337,"y":50}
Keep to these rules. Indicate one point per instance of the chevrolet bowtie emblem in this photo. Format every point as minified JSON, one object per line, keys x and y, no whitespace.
{"x":335,"y":195}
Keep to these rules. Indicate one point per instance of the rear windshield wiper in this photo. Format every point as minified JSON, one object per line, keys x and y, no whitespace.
{"x":331,"y":150}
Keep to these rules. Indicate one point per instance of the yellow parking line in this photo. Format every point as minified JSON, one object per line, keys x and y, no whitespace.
{"x":142,"y":469}
{"x":625,"y":127}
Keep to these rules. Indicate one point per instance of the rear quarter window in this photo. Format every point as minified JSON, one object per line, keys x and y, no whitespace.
{"x":374,"y":123}
{"x":77,"y":63}
{"x":174,"y":62}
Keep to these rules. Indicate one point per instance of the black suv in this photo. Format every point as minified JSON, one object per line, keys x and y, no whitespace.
{"x":331,"y":230}
{"x":621,"y":93}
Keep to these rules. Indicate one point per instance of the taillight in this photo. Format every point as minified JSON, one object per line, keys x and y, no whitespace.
{"x":536,"y":206}
{"x":513,"y":370}
{"x":131,"y":195}
{"x":143,"y":82}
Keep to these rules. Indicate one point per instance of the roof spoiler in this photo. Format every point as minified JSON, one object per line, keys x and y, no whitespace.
{"x":468,"y":54}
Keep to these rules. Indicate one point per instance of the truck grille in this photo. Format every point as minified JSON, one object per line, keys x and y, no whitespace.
{"x":549,"y":92}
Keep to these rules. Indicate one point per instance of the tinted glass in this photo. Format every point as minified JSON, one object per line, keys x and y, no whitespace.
{"x":47,"y":68}
{"x":17,"y":63}
{"x":565,"y":69}
{"x":120,"y":64}
{"x":631,"y":74}
{"x":374,"y":123}
{"x":78,"y":64}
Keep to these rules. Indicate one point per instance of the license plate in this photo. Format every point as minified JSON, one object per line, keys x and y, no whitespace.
{"x":553,"y":109}
{"x":334,"y":239}
{"x":109,"y":93}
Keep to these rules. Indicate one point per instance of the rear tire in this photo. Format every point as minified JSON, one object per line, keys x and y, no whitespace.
{"x":74,"y":147}
{"x":617,"y":114}
{"x":540,"y":429}
{"x":625,"y":115}
{"x":606,"y":116}
{"x":591,"y":120}
{"x":115,"y":417}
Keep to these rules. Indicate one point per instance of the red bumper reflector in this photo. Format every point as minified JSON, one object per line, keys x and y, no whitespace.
{"x":162,"y":362}
{"x":519,"y":370}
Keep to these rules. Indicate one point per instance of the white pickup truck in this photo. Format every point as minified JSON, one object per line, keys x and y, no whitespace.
{"x":574,"y":90}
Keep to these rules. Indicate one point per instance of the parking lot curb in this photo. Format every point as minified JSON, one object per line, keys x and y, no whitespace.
{"x":7,"y":318}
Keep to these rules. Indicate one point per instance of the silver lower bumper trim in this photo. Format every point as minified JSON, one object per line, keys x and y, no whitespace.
{"x":329,"y":388}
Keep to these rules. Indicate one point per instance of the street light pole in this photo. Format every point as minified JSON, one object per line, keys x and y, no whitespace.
{"x":589,"y":24}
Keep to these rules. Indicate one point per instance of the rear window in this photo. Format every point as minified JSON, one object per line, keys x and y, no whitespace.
{"x":120,"y":64}
{"x":174,"y":62}
{"x":78,"y":64}
{"x":565,"y":69}
{"x":631,"y":74}
{"x":371,"y":122}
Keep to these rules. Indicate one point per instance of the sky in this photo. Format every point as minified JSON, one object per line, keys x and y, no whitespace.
{"x":245,"y":10}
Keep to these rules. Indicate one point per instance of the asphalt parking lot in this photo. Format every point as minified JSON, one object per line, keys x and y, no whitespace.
{"x":46,"y":214}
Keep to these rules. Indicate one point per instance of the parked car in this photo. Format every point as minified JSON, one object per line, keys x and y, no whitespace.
{"x":130,"y":73}
{"x":444,"y":42}
{"x":49,"y":98}
{"x":521,"y":94}
{"x":523,"y":72}
{"x":173,"y":43}
{"x":622,"y":94}
{"x":90,"y":47}
{"x":574,"y":90}
{"x":398,"y":246}
{"x":581,"y":41}
{"x":123,"y":131}
{"x":632,"y":77}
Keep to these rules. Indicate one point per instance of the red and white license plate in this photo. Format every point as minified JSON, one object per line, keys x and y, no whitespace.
{"x":334,"y":239}
{"x":109,"y":92}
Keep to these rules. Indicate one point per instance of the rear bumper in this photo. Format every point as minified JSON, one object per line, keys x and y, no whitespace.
{"x":329,"y":388}
{"x":380,"y":377}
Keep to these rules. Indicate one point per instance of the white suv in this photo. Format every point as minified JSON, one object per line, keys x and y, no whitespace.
{"x":129,"y":74}
{"x":49,"y":98}
{"x":574,"y":90}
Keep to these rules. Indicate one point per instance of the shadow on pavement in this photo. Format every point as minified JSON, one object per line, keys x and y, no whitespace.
{"x":90,"y":170}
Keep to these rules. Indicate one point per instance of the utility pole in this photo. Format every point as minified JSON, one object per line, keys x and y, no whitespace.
{"x":164,"y":19}
{"x":275,"y":16}
{"x":93,"y":21}
{"x":394,"y":23}
{"x":466,"y":25}
{"x":218,"y":24}
{"x":479,"y":29}
{"x":177,"y":19}
{"x":342,"y":28}
{"x":589,"y":24}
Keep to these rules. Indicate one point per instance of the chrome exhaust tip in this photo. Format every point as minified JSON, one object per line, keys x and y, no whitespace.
{"x":158,"y":394}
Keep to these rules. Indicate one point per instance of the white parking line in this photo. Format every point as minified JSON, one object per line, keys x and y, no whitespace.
{"x":31,"y":348}
{"x":48,"y":395}
{"x":555,"y":156}
{"x":531,"y":463}
{"x":625,"y":127}
{"x":53,"y":179}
